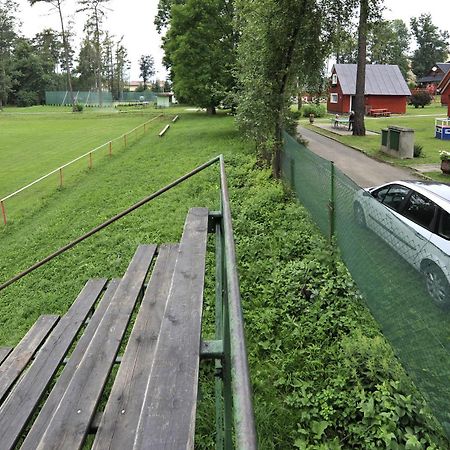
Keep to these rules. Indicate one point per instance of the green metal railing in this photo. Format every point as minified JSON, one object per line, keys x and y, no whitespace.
{"x":235,"y":425}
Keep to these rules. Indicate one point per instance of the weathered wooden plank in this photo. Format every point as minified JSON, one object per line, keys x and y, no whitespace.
{"x":168,"y":413}
{"x":19,"y":358}
{"x":21,"y":402}
{"x":60,"y":387}
{"x":4,"y":352}
{"x":69,"y":424}
{"x":121,"y":416}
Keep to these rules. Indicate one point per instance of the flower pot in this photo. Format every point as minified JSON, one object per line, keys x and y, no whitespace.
{"x":445,"y":166}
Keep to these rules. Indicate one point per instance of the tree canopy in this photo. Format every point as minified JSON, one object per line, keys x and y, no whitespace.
{"x":199,"y":51}
{"x":432,"y":44}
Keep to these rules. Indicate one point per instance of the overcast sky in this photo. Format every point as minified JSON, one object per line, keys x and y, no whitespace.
{"x":134,"y":20}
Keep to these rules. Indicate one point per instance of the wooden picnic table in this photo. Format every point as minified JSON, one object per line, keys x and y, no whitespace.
{"x":379,"y":112}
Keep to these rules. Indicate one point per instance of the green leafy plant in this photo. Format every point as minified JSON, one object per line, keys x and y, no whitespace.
{"x":417,"y":150}
{"x":317,"y":110}
{"x":444,"y":155}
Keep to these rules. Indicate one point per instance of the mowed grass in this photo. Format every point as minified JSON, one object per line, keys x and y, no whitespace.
{"x":33,"y":144}
{"x":421,"y":120}
{"x":112,"y":185}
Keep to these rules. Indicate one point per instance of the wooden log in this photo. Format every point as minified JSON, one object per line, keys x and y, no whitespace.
{"x":161,"y":134}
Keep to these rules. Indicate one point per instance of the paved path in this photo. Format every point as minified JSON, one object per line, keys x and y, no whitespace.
{"x":363,"y":170}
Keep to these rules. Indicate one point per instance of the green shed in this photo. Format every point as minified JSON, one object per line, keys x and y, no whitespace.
{"x":164,"y":99}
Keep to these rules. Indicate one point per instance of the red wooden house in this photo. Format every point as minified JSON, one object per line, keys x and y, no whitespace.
{"x":444,"y":89}
{"x":385,"y":88}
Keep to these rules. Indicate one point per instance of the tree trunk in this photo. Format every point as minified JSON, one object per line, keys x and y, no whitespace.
{"x":359,"y":128}
{"x":211,"y":110}
{"x":66,"y":57}
{"x":278,"y":145}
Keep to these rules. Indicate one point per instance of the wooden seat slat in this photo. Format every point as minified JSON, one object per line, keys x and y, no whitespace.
{"x":21,"y":402}
{"x":18,"y":359}
{"x":4,"y":352}
{"x":69,"y":425}
{"x":168,"y":413}
{"x":60,"y":387}
{"x":121,"y":416}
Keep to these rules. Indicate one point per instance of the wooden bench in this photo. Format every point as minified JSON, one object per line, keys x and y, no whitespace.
{"x":379,"y":112}
{"x":152,"y":401}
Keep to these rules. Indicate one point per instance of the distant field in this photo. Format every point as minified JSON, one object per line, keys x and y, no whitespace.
{"x":36,"y":140}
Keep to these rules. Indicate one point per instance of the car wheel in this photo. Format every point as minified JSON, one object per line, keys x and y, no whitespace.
{"x":359,"y":216}
{"x":437,"y":284}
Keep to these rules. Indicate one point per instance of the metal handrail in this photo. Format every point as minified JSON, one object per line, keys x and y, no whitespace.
{"x":244,"y":422}
{"x":242,"y":395}
{"x":108,"y":222}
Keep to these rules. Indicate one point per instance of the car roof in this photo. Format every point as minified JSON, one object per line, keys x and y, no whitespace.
{"x":438,"y":192}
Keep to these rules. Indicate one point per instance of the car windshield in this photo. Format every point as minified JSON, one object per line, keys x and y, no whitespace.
{"x":392,"y":195}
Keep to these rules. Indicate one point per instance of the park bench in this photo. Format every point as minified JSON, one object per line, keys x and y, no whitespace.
{"x":57,"y":387}
{"x":379,"y":112}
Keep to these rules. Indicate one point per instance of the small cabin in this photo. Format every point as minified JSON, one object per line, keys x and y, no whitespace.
{"x":164,"y":99}
{"x":434,"y":76}
{"x":385,"y":89}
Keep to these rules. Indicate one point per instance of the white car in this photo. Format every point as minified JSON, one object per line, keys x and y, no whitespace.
{"x":413,"y":217}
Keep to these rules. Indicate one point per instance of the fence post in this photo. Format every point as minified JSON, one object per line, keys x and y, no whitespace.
{"x":3,"y":211}
{"x":60,"y":177}
{"x":331,"y":202}
{"x":292,"y":174}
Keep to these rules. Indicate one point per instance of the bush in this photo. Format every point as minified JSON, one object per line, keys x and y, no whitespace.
{"x":27,"y":98}
{"x":417,"y":150}
{"x":78,"y":107}
{"x":317,"y":110}
{"x":420,"y":98}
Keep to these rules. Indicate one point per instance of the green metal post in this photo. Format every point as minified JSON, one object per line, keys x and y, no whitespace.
{"x":227,"y":381}
{"x":292,"y":168}
{"x":331,"y":202}
{"x":220,"y":438}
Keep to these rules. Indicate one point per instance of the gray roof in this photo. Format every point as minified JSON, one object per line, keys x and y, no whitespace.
{"x":445,"y":67}
{"x":381,"y":79}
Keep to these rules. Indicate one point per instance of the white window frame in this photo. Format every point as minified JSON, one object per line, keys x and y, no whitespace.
{"x":334,"y":98}
{"x":334,"y":79}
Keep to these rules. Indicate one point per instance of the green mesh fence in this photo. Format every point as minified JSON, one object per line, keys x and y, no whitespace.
{"x":138,"y":96}
{"x":86,"y":98}
{"x":387,"y":260}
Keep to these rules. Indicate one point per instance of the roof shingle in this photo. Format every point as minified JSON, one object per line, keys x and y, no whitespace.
{"x":381,"y":79}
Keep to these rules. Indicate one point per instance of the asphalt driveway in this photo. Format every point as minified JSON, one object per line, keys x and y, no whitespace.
{"x":362,"y":169}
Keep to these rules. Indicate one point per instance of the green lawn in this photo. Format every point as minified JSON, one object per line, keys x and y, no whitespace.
{"x":33,"y":144}
{"x":317,"y":361}
{"x":421,"y":120}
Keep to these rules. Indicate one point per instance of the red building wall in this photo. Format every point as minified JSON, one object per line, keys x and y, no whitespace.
{"x":394,"y":103}
{"x":343,"y":102}
{"x":445,"y":96}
